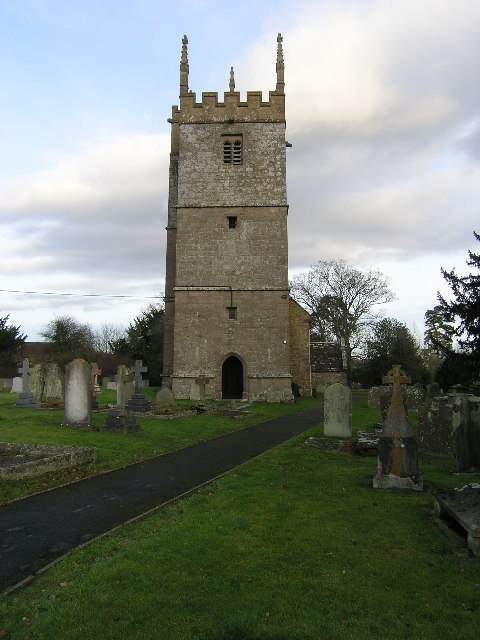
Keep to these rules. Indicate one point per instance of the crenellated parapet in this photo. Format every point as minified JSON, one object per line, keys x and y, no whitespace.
{"x":231,"y":109}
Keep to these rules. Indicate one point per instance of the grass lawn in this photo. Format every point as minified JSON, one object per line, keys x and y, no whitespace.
{"x":155,"y":437}
{"x":293,"y":545}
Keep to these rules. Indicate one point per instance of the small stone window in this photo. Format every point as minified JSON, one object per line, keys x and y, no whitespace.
{"x":232,"y":222}
{"x":232,"y":149}
{"x":232,"y":313}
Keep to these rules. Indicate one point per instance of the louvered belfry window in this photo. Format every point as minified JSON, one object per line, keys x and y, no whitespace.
{"x":232,"y":150}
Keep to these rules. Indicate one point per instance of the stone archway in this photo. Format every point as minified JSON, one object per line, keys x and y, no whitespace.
{"x":232,"y":378}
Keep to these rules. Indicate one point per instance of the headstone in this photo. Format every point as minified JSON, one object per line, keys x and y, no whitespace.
{"x":165,"y":397}
{"x":415,"y":397}
{"x":435,"y":435}
{"x":125,"y":386}
{"x":46,"y":380}
{"x":112,"y":386}
{"x":53,"y":383}
{"x":26,"y":398}
{"x":94,"y":386}
{"x":17,"y":386}
{"x":374,"y":397}
{"x":198,"y":390}
{"x":118,"y":421}
{"x":37,"y":382}
{"x":138,"y":403}
{"x":466,"y":430}
{"x":385,"y":400}
{"x":78,"y":395}
{"x":397,"y":448}
{"x":338,"y":411}
{"x":95,"y":373}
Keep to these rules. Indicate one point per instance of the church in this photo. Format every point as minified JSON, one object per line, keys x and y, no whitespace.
{"x":230,"y":325}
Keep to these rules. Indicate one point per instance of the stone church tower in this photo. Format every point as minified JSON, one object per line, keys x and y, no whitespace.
{"x":226,"y":290}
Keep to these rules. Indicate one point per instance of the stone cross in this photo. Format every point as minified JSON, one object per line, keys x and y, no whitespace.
{"x":202,"y":381}
{"x":138,"y":369}
{"x":25,"y":370}
{"x":95,"y":372}
{"x":397,"y":423}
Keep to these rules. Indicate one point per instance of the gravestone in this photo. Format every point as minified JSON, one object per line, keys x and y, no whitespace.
{"x":37,"y":382}
{"x":119,"y":420}
{"x":46,"y":380}
{"x":338,"y":411}
{"x":397,"y":448}
{"x":415,"y":397}
{"x":466,"y":430}
{"x":435,"y":435}
{"x":26,"y":400}
{"x":125,"y":386}
{"x":374,"y":397}
{"x":94,"y":386}
{"x":78,"y":395}
{"x":17,"y":386}
{"x":165,"y":397}
{"x":95,"y":373}
{"x":385,"y":400}
{"x":198,"y":388}
{"x":53,"y":384}
{"x":138,"y":403}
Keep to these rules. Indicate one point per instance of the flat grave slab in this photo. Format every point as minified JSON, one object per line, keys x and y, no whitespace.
{"x":463,"y":505}
{"x":28,"y":460}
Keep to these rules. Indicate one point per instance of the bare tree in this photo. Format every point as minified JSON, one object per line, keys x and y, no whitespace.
{"x":341,"y":300}
{"x":107,"y":336}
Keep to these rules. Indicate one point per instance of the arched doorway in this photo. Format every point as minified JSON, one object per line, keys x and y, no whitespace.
{"x":232,"y":378}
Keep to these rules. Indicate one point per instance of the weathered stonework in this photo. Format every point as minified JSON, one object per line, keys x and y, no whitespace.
{"x":300,"y":348}
{"x":226,"y":288}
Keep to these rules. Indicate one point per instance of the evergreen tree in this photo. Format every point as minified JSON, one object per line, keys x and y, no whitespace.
{"x":11,"y":343}
{"x":464,"y":309}
{"x":144,"y":341}
{"x":391,"y":342}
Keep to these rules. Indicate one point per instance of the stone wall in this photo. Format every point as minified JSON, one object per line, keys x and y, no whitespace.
{"x":299,"y":323}
{"x":205,"y":337}
{"x":205,"y":181}
{"x":251,"y":256}
{"x":323,"y":379}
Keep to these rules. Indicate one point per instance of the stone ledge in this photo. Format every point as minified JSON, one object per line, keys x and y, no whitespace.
{"x":28,"y":460}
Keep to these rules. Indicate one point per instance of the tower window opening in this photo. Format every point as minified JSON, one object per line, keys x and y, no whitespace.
{"x":232,"y":313}
{"x":227,"y":153}
{"x":232,"y":222}
{"x":232,"y":150}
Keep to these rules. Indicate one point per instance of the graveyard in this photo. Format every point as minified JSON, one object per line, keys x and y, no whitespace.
{"x":293,"y":544}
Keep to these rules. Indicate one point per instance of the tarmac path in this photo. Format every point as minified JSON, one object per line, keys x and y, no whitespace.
{"x":38,"y":530}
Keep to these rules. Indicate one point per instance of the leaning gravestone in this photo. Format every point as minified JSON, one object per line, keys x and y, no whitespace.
{"x":26,"y":400}
{"x":397,"y":448}
{"x":338,"y":411}
{"x":138,"y":403}
{"x":78,"y":397}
